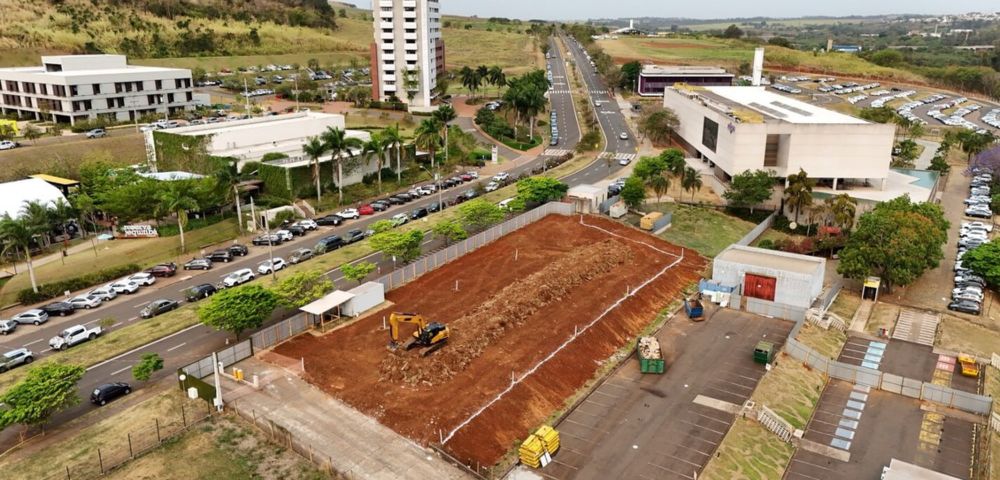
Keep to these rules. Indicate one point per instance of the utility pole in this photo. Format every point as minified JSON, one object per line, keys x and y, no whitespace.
{"x":218,"y":383}
{"x":296,"y":79}
{"x":246,"y":95}
{"x":270,"y":248}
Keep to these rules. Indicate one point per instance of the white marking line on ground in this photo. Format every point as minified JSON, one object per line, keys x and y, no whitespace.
{"x":175,"y":347}
{"x":720,"y":434}
{"x":132,"y":319}
{"x":661,"y":467}
{"x":115,"y":325}
{"x":154,"y":342}
{"x":116,"y":372}
{"x":686,"y":447}
{"x":724,"y":422}
{"x":811,"y":464}
{"x":32,"y":343}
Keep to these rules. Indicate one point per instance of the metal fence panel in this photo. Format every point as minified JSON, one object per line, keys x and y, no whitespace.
{"x":757,"y":231}
{"x":969,"y":402}
{"x":772,"y":309}
{"x":911,"y":387}
{"x":892,"y":383}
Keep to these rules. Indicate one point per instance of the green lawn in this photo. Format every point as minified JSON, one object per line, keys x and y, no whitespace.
{"x":749,"y":451}
{"x":827,"y":342}
{"x":63,"y":159}
{"x":706,"y":230}
{"x":791,"y":390}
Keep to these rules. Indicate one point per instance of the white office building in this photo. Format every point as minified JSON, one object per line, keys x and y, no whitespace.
{"x":736,"y":129}
{"x":72,"y":88}
{"x":408,"y":53}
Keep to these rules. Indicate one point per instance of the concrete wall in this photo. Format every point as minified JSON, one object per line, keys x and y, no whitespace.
{"x":792,"y":288}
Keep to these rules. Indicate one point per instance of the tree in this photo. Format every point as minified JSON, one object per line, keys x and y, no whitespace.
{"x":630,"y":74}
{"x":749,"y":188}
{"x":227,"y":186}
{"x":691,"y":181}
{"x":974,"y":143}
{"x":732,"y":31}
{"x":450,"y":231}
{"x":32,"y":133}
{"x":402,"y":246}
{"x":375,"y":148}
{"x":44,"y":391}
{"x":339,"y":144}
{"x":674,"y":159}
{"x":18,"y":234}
{"x":897,"y":240}
{"x":649,"y":167}
{"x":798,"y":193}
{"x":302,"y":287}
{"x":238,"y":309}
{"x":887,"y":58}
{"x":38,"y":216}
{"x":6,"y":131}
{"x":314,"y":149}
{"x":879,"y":114}
{"x":429,"y":136}
{"x":178,"y":197}
{"x":496,"y":77}
{"x":358,"y":271}
{"x":392,"y":138}
{"x":148,"y":364}
{"x":470,"y":79}
{"x":382,"y":226}
{"x":939,"y":164}
{"x":780,"y":41}
{"x":478,"y":214}
{"x":843,"y":209}
{"x":633,"y":192}
{"x":658,"y":124}
{"x":660,"y":185}
{"x":984,"y":261}
{"x":445,"y":114}
{"x":538,"y":190}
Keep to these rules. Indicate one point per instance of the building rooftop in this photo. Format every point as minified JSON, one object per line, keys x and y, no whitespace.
{"x":776,"y":107}
{"x":67,"y":66}
{"x":761,"y":257}
{"x":679,"y":70}
{"x":268,"y":122}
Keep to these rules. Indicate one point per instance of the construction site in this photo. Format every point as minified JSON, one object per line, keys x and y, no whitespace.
{"x":509,"y":334}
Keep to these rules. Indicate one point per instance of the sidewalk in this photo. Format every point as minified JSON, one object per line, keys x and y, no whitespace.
{"x":356,"y":444}
{"x":22,"y":267}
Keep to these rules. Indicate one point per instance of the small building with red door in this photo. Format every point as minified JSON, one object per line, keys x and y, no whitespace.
{"x":769,"y":282}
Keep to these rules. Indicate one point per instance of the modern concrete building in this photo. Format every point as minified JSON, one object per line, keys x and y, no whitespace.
{"x":735,"y":129}
{"x":769,"y":282}
{"x":72,"y":88}
{"x":408,"y":53}
{"x":654,"y":78}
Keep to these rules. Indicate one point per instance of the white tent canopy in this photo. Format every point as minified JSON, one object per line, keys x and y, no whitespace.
{"x":327,"y":303}
{"x":13,"y":195}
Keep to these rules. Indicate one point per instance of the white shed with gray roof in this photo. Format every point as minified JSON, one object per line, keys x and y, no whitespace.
{"x":770,"y":282}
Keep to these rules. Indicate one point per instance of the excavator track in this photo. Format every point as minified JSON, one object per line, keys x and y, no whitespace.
{"x":424,"y":352}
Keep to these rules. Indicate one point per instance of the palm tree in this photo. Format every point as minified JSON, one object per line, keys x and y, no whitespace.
{"x":18,"y":234}
{"x":798,"y":192}
{"x":658,"y":125}
{"x":429,"y":136}
{"x":178,"y":197}
{"x":691,"y":181}
{"x":39,"y":216}
{"x":392,"y":138}
{"x":376,"y":147}
{"x":660,"y":185}
{"x":60,"y":214}
{"x":315,"y":148}
{"x":227,"y":186}
{"x":496,"y":77}
{"x":470,"y":79}
{"x":445,"y":114}
{"x":482,"y":72}
{"x":674,"y":159}
{"x":338,"y":143}
{"x":843,"y":208}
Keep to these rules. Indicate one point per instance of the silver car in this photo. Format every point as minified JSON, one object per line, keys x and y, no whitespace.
{"x":34,"y":316}
{"x":7,"y":326}
{"x":13,"y":358}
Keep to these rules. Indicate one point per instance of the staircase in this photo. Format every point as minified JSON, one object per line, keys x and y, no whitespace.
{"x":916,"y":327}
{"x":860,"y":318}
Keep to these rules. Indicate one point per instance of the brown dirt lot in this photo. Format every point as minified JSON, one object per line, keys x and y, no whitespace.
{"x":347,"y":363}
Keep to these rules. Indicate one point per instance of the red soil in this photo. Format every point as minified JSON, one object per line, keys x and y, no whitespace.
{"x":346,"y":363}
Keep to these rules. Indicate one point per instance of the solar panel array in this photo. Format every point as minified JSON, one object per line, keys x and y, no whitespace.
{"x":768,"y":110}
{"x":791,"y":108}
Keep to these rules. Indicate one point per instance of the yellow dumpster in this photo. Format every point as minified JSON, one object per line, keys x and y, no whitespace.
{"x":549,"y":437}
{"x":647,"y":220}
{"x":969,"y":366}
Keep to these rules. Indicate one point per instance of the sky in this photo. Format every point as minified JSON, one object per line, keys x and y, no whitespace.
{"x":583,"y":9}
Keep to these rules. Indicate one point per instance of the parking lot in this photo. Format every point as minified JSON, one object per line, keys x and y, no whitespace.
{"x":875,"y":427}
{"x":650,"y":426}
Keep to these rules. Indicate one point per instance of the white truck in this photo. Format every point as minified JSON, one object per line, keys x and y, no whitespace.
{"x":74,"y":335}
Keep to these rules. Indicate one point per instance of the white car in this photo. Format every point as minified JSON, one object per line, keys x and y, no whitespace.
{"x":501,"y":177}
{"x":105,"y":293}
{"x":399,"y":219}
{"x":284,"y":235}
{"x":8,"y":145}
{"x":124,"y":286}
{"x":492,"y":186}
{"x":267,"y":266}
{"x":308,"y":224}
{"x":143,"y":279}
{"x":238,"y":277}
{"x":85,"y":301}
{"x":623,"y":136}
{"x":472,"y":174}
{"x":982,"y":225}
{"x":427,"y":190}
{"x":624,"y":161}
{"x":349,"y":213}
{"x":34,"y":316}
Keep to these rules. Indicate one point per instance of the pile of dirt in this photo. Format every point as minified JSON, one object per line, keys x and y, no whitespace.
{"x":505,"y":310}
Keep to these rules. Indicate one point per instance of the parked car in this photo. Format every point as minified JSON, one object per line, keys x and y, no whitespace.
{"x":163,"y":270}
{"x":158,"y":307}
{"x":433,"y":207}
{"x":469,"y":194}
{"x":380,"y":206}
{"x":405,"y":197}
{"x":86,"y":301}
{"x":199,"y":292}
{"x":329,"y":220}
{"x":492,"y":186}
{"x":105,"y":293}
{"x":124,"y":286}
{"x":965,"y":306}
{"x":300,"y":255}
{"x":8,"y":145}
{"x":7,"y":326}
{"x":623,"y":136}
{"x":366,"y":210}
{"x":328,"y":244}
{"x":267,"y":239}
{"x":978,"y":213}
{"x":501,"y":177}
{"x":143,"y":279}
{"x":59,"y":308}
{"x":73,"y":335}
{"x":198,"y":264}
{"x":399,"y":219}
{"x":238,"y":277}
{"x":297,"y":230}
{"x":418,"y":213}
{"x":354,"y":236}
{"x":35,"y":316}
{"x":97,"y":133}
{"x":350,"y":213}
{"x":307,"y":224}
{"x":272,"y":265}
{"x":472,"y":173}
{"x":108,"y":392}
{"x":221,"y":255}
{"x":16,"y":357}
{"x":238,"y":250}
{"x":285,"y":235}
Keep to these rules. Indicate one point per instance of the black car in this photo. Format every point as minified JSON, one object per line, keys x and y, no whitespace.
{"x":238,"y":250}
{"x":59,"y":308}
{"x":380,"y":205}
{"x":158,"y":307}
{"x":199,"y":292}
{"x":198,"y":264}
{"x":406,"y":197}
{"x":329,"y":220}
{"x":418,"y":213}
{"x":108,"y":392}
{"x":267,"y":239}
{"x":396,"y":200}
{"x":354,"y":236}
{"x":965,"y":306}
{"x":433,"y":207}
{"x":221,"y":255}
{"x":297,"y":230}
{"x":328,"y":244}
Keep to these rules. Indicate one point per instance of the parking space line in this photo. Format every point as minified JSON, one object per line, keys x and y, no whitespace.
{"x":713,"y":419}
{"x":175,"y":347}
{"x":721,"y":434}
{"x":32,"y":343}
{"x":681,"y":459}
{"x":565,"y":464}
{"x":116,"y":372}
{"x":563,"y":432}
{"x":685,"y":447}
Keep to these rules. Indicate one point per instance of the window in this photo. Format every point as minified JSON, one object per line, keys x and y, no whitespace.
{"x":710,"y":134}
{"x":159,"y":84}
{"x":97,"y":88}
{"x":771,"y":150}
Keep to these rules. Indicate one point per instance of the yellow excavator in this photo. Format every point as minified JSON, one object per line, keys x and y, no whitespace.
{"x":429,"y":336}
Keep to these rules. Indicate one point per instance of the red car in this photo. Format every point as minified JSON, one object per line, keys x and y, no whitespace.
{"x":163,"y":270}
{"x":466,"y":177}
{"x":366,"y":210}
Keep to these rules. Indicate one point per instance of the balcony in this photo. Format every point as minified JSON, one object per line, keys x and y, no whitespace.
{"x":389,"y":78}
{"x":410,"y":36}
{"x":385,"y":25}
{"x":389,"y":88}
{"x":385,"y":3}
{"x":409,"y":3}
{"x":411,"y":57}
{"x":386,"y":36}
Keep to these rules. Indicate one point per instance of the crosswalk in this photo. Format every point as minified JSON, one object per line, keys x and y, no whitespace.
{"x":554,"y":152}
{"x":618,"y":156}
{"x":559,"y":92}
{"x":916,"y":327}
{"x":599,"y":92}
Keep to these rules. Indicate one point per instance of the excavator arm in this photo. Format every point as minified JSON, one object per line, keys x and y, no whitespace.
{"x":397,"y":318}
{"x":431,"y":335}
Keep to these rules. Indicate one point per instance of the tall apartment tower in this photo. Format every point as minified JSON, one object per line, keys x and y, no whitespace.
{"x":408,"y":53}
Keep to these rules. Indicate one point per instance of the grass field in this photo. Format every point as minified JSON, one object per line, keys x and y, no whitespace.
{"x":960,"y":335}
{"x":749,"y":451}
{"x":791,"y":390}
{"x":787,"y":22}
{"x":827,"y":342}
{"x":63,"y":157}
{"x":845,"y":305}
{"x":883,"y":315}
{"x":706,"y":230}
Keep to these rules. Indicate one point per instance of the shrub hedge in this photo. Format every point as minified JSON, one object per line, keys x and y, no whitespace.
{"x":56,"y":289}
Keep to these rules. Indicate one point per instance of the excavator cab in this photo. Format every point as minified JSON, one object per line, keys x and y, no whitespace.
{"x":429,"y":336}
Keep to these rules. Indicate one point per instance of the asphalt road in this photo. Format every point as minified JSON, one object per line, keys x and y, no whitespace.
{"x":197,"y":341}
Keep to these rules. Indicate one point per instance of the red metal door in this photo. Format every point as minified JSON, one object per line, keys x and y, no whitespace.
{"x":758,"y":286}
